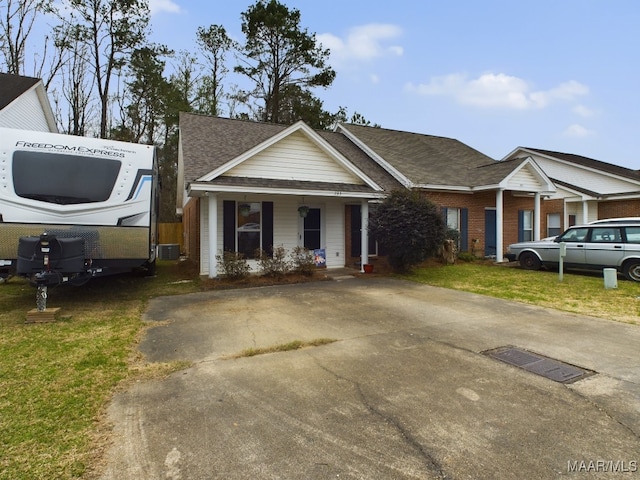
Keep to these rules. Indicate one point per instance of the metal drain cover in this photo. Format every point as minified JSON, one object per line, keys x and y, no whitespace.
{"x":534,"y":363}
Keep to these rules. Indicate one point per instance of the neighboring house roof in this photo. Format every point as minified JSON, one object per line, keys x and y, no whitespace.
{"x":586,"y":177}
{"x":424,"y":160}
{"x":24,"y":104}
{"x":12,"y":86}
{"x":588,"y":162}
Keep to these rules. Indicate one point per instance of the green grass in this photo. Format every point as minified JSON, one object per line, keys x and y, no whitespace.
{"x":56,"y":378}
{"x":578,"y":293}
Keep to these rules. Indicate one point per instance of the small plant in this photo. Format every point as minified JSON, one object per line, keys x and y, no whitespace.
{"x":274,"y":265}
{"x":303,"y":261}
{"x":466,"y":257}
{"x":233,"y":265}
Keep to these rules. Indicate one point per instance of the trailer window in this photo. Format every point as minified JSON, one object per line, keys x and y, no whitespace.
{"x":63,"y":179}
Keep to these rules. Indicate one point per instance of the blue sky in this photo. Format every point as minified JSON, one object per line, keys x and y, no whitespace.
{"x":560,"y":75}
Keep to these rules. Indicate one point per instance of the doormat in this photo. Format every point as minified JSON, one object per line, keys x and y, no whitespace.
{"x":539,"y":364}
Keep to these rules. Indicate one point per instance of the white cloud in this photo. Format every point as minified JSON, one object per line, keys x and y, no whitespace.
{"x":497,"y":91}
{"x":157,"y":6}
{"x":362,"y":43}
{"x":583,"y":111}
{"x":578,"y":131}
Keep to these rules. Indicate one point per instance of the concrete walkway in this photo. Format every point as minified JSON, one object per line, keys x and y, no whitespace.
{"x":404,"y":392}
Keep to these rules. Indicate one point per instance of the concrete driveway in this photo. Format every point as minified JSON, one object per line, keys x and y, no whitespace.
{"x":404,"y":393}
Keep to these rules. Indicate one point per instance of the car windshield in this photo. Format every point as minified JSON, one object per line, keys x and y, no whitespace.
{"x":573,"y":235}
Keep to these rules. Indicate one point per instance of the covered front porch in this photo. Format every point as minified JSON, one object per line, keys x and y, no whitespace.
{"x":245,"y":222}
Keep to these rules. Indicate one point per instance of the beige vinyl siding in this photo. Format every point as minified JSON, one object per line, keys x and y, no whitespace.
{"x":594,"y":181}
{"x":334,"y":235}
{"x":524,"y":180}
{"x":294,"y":158}
{"x":25,"y":113}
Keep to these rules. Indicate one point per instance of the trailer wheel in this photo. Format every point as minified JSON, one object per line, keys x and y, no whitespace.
{"x":150,"y":268}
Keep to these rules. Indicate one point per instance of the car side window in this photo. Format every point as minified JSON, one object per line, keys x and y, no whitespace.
{"x":633,"y":234}
{"x":574,"y":235}
{"x":606,"y":235}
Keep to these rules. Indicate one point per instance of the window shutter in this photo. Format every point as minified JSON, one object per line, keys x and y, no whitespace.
{"x":464,"y":229}
{"x":267,"y":227}
{"x":229,"y":226}
{"x":521,"y":225}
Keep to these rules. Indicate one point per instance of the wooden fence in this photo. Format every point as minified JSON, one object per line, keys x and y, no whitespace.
{"x":171,"y":233}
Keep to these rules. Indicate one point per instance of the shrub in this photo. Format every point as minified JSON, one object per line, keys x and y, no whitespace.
{"x":409,"y":227}
{"x":274,"y":265}
{"x":466,"y":257}
{"x":233,"y":265}
{"x":303,"y":261}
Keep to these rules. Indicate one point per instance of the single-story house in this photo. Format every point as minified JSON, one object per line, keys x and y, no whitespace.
{"x":244,"y":185}
{"x":24,"y":104}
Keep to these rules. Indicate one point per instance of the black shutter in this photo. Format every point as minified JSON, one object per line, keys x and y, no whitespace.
{"x":267,"y":227}
{"x":229,"y":226}
{"x":521,"y":225}
{"x":464,"y":229}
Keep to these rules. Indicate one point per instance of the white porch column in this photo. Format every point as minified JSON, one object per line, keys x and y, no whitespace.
{"x":585,"y":212}
{"x":213,"y":235}
{"x":364,"y":234}
{"x":499,"y":226}
{"x":536,"y":216}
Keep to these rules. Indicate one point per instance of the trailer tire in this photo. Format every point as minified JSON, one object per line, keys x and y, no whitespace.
{"x":150,"y":268}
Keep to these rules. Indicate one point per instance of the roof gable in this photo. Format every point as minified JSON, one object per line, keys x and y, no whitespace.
{"x":295,"y":153}
{"x":584,"y":174}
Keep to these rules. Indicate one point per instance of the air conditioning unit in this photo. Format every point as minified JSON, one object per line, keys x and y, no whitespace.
{"x":168,"y":251}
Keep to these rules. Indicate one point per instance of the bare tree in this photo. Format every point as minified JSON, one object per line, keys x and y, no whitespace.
{"x":17,"y":19}
{"x":112,"y":29}
{"x":77,"y":88}
{"x":214,"y":44}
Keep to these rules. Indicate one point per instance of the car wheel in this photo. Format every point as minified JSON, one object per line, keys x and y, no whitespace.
{"x":631,"y":270}
{"x":529,"y":261}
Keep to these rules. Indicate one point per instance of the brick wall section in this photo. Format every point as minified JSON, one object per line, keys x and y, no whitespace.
{"x":619,"y":208}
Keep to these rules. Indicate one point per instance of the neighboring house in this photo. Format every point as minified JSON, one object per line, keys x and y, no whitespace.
{"x":242,"y":185}
{"x":586,"y":190}
{"x":24,"y":104}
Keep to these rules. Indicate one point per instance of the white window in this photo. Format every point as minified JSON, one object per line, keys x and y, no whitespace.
{"x":527,"y":225}
{"x":554,"y":227}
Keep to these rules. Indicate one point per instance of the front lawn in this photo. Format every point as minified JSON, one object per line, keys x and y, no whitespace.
{"x":581,"y":293}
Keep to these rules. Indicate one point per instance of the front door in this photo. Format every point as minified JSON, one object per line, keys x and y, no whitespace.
{"x":490,"y":238}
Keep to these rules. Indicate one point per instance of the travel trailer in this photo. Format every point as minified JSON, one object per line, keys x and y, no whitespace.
{"x":73,"y":208}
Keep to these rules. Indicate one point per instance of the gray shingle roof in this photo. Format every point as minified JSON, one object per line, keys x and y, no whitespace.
{"x":427,"y":159}
{"x":210,"y":142}
{"x":12,"y":86}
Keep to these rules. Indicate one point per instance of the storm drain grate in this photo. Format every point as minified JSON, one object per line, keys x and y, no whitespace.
{"x":534,"y":363}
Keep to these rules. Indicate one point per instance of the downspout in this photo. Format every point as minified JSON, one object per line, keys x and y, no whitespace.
{"x":499,"y":226}
{"x":364,"y":234}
